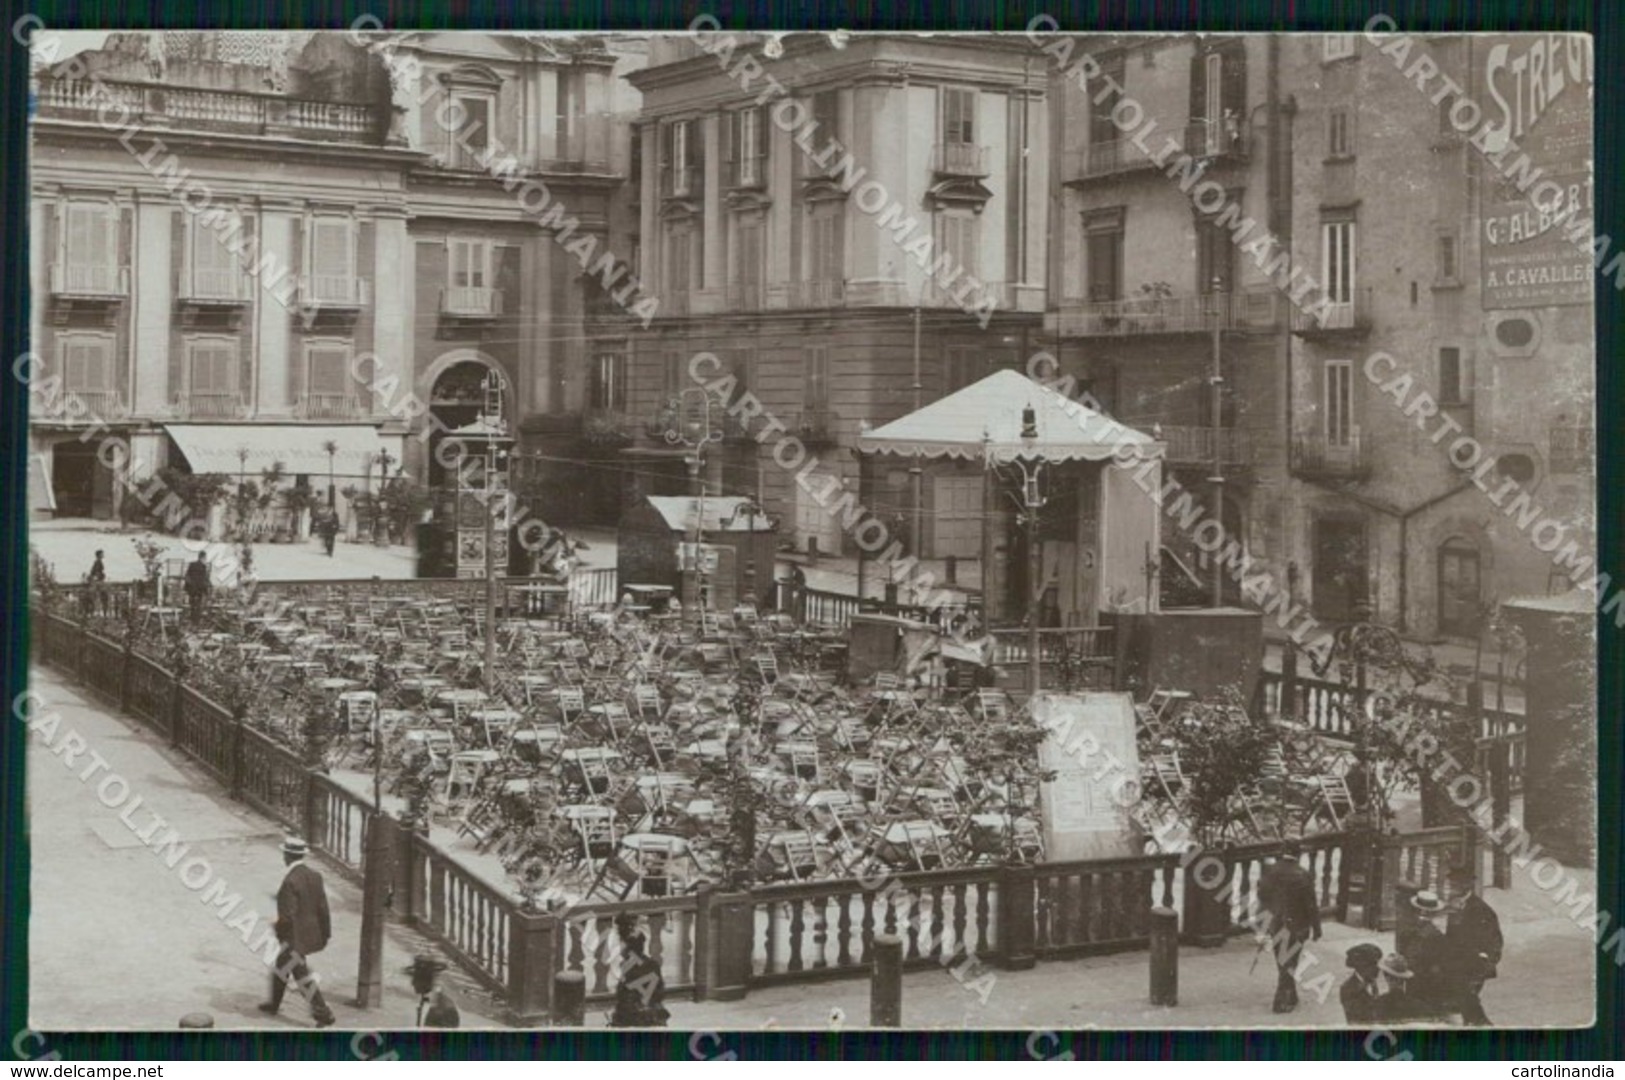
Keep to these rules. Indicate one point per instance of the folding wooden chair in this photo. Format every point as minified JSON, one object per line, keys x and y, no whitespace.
{"x":994,"y":705}
{"x":646,"y":700}
{"x":1336,"y":799}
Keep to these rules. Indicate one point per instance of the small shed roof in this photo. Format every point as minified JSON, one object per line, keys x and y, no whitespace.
{"x":679,"y":512}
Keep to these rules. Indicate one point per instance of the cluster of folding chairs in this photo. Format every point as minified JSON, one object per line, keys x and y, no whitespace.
{"x":1302,"y":787}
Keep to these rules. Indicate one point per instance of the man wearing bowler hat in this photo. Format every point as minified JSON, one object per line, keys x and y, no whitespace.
{"x":436,"y":1008}
{"x":303,"y":926}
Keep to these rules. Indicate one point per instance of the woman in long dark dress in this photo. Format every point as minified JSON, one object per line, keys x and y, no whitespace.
{"x":641,"y":992}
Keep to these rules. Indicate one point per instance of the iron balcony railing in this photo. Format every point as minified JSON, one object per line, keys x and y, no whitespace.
{"x":211,"y":405}
{"x":78,"y":404}
{"x":959,"y":159}
{"x":88,"y":280}
{"x":1323,"y":458}
{"x":330,"y":407}
{"x":471,"y":301}
{"x":334,"y":290}
{"x":1318,"y":315}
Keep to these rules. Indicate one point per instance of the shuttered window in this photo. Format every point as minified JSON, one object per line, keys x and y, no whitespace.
{"x":470,"y":264}
{"x":957,"y":517}
{"x":748,"y":269}
{"x":327,"y":368}
{"x":816,"y":360}
{"x":744,"y":146}
{"x":332,"y":258}
{"x":213,"y":364}
{"x":1104,"y":95}
{"x":87,"y":363}
{"x":827,"y":228}
{"x":90,"y":234}
{"x":609,"y":381}
{"x":214,"y":267}
{"x":1337,"y":260}
{"x":957,"y":239}
{"x":1103,"y":254}
{"x":958,"y":115}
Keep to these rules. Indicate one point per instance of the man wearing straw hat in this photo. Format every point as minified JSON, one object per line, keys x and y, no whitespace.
{"x":303,"y":926}
{"x":436,"y":1008}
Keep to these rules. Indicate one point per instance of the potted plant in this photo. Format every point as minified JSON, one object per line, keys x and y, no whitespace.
{"x":151,"y":554}
{"x":1157,"y":297}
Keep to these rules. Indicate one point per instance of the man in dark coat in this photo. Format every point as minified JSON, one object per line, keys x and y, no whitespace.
{"x":1287,"y":893}
{"x":303,"y":926}
{"x":1433,"y":987}
{"x":1473,"y":939}
{"x":640,"y":994}
{"x":197,"y":586}
{"x":1361,"y":994}
{"x":436,"y":1007}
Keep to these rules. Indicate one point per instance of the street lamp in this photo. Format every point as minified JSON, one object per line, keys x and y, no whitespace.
{"x":1216,"y":380}
{"x":694,"y":435}
{"x":1030,"y":462}
{"x":750,"y":509}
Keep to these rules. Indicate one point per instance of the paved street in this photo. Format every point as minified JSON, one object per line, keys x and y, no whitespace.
{"x":119,"y":942}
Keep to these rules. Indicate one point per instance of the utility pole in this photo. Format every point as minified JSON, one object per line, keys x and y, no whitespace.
{"x":1032,"y":502}
{"x":493,"y":421}
{"x":694,"y":436}
{"x":1216,"y":380}
{"x":916,"y":474}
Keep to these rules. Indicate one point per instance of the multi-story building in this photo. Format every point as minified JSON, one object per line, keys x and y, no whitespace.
{"x":800,"y":266}
{"x":248,"y":247}
{"x":1431,"y":255}
{"x":1147,"y":283}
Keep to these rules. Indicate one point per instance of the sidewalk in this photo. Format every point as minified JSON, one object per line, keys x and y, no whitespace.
{"x":118,"y":942}
{"x":1546,"y":980}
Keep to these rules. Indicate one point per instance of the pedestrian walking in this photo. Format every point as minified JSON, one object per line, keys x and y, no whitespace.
{"x":1361,"y":994}
{"x":328,"y":529}
{"x":96,"y":579}
{"x":1287,"y":893}
{"x":98,"y":570}
{"x":436,"y":1007}
{"x":303,"y":926}
{"x":197,"y":586}
{"x":1474,"y":942}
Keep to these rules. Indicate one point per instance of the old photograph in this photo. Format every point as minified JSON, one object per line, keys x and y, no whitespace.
{"x":810,"y":530}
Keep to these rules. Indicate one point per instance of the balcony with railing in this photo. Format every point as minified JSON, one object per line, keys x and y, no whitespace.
{"x":211,"y":405}
{"x":338,"y":291}
{"x":959,"y":159}
{"x":215,"y":288}
{"x":71,"y":281}
{"x":1196,"y":445}
{"x":817,"y":294}
{"x":1107,"y":157}
{"x":470,"y":302}
{"x":1317,"y":457}
{"x":76,"y":405}
{"x":1350,"y":318}
{"x":1221,"y":139}
{"x":226,"y":111}
{"x":1252,"y":309}
{"x":330,"y":407}
{"x":1571,"y":449}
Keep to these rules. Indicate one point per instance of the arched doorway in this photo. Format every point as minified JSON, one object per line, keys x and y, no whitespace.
{"x":457,"y":397}
{"x":1459,"y":584}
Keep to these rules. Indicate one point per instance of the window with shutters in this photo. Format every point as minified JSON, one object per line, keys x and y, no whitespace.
{"x":679,"y":263}
{"x":680,"y":156}
{"x":957,"y":517}
{"x":215,"y":272}
{"x":1105,"y":93}
{"x":1215,"y":257}
{"x":957,"y":240}
{"x":472,"y":137}
{"x":86,"y":362}
{"x":826,"y":114}
{"x":1339,"y":136}
{"x":608,"y":390}
{"x":1103,"y":255}
{"x":826,"y":269}
{"x":329,"y":389}
{"x":89,"y":255}
{"x":675,"y":376}
{"x":958,"y":115}
{"x":330,"y":259}
{"x":211,"y":374}
{"x":1339,"y":402}
{"x":1337,"y":261}
{"x":747,"y":277}
{"x":1218,"y":100}
{"x":745,"y":147}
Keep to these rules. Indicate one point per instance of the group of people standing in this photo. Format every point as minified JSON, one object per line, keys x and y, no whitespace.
{"x":1444,"y":952}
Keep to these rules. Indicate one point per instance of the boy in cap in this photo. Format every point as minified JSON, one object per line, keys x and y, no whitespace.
{"x":303,"y":926}
{"x":436,"y":1008}
{"x":1361,"y":994}
{"x":1397,"y":1004}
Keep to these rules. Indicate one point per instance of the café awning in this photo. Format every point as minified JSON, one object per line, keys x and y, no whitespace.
{"x":218,"y":448}
{"x":985,"y":418}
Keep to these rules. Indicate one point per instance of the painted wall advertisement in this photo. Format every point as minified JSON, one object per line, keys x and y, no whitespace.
{"x":1536,"y":94}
